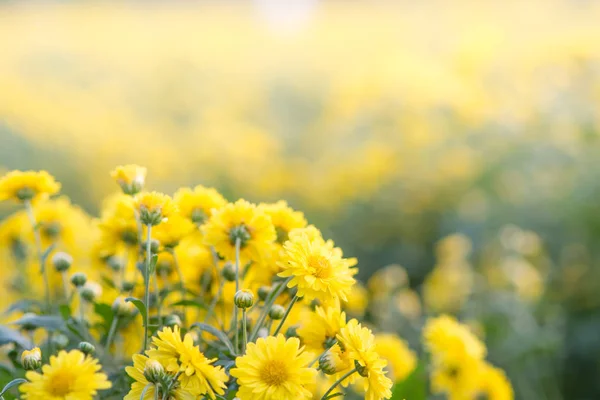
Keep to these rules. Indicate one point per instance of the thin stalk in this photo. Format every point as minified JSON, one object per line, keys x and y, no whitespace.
{"x":147,"y":287}
{"x":111,"y":333}
{"x":337,"y":383}
{"x":65,"y":282}
{"x":236,"y":338}
{"x":287,"y":312}
{"x":158,"y":301}
{"x":213,"y":303}
{"x":156,"y":386}
{"x":38,"y":246}
{"x":244,"y":333}
{"x":267,"y":306}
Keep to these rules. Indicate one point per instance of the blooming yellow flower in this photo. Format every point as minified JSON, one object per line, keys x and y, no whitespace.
{"x":141,"y":381}
{"x":284,"y":219}
{"x":130,"y":177}
{"x":493,"y":384}
{"x":63,"y":224}
{"x":401,"y":359}
{"x":244,"y":221}
{"x":458,"y":376}
{"x":444,"y":337}
{"x":198,"y":376}
{"x":274,"y":368}
{"x":319,"y":331}
{"x":27,"y":185}
{"x":154,"y":207}
{"x":69,"y":376}
{"x":317,"y":268}
{"x":117,"y":225}
{"x":198,"y":204}
{"x":359,"y":342}
{"x":171,"y":232}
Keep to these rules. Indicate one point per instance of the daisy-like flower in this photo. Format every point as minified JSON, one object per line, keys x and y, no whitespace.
{"x":274,"y":368}
{"x":69,"y":376}
{"x":359,"y":342}
{"x":130,"y":177}
{"x":143,"y":370}
{"x":319,"y":331}
{"x":244,"y":221}
{"x":177,"y":355}
{"x":153,"y":207}
{"x":198,"y":204}
{"x":284,"y":219}
{"x":317,"y":268}
{"x":27,"y":185}
{"x":401,"y":359}
{"x":172,"y":231}
{"x":494,"y":385}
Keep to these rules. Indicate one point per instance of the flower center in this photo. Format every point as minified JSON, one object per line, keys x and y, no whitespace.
{"x":198,"y":216}
{"x":282,"y":235}
{"x":274,"y":372}
{"x":321,"y":266}
{"x":59,"y":384}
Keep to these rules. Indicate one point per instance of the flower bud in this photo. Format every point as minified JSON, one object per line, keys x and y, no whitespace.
{"x":153,"y":371}
{"x":127,"y":286}
{"x":121,"y":308}
{"x":115,"y":263}
{"x":229,"y":272}
{"x":276,"y":312}
{"x":90,"y":291}
{"x":292,"y":331}
{"x":154,"y":246}
{"x":361,"y":369}
{"x":78,"y":279}
{"x":329,"y":362}
{"x":62,"y":261}
{"x":172,"y":320}
{"x":87,"y":348}
{"x":60,"y":341}
{"x":263,"y":292}
{"x":31,"y":359}
{"x":243,"y":299}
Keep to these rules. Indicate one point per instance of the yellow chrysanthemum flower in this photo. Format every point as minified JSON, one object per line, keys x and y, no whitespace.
{"x":141,"y":381}
{"x":284,"y":219}
{"x":494,"y":385}
{"x":359,"y":342}
{"x":69,"y":376}
{"x":198,"y":376}
{"x":130,"y":177}
{"x":171,"y":232}
{"x":320,"y":330}
{"x":244,"y":221}
{"x":117,"y":225}
{"x":445,"y":337}
{"x":153,"y":207}
{"x":317,"y":268}
{"x":274,"y":368}
{"x":456,"y":375}
{"x":63,"y":224}
{"x":27,"y":185}
{"x":198,"y":204}
{"x":401,"y":359}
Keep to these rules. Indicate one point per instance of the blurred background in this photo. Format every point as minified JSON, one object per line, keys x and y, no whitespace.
{"x":456,"y":139}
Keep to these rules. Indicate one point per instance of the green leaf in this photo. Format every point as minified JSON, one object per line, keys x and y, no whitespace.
{"x":49,"y":322}
{"x":140,"y":306}
{"x":11,"y":384}
{"x":414,"y":387}
{"x":105,"y":312}
{"x":109,"y":282}
{"x":65,"y":311}
{"x":214,"y":331}
{"x":47,"y":252}
{"x":192,"y":303}
{"x":23,"y":305}
{"x":8,"y":335}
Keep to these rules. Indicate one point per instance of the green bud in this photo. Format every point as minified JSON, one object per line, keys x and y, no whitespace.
{"x":243,"y":299}
{"x":127,"y":286}
{"x":31,"y":359}
{"x":62,"y":261}
{"x":327,"y":363}
{"x":263,"y":292}
{"x":292,"y":331}
{"x":78,"y":279}
{"x":60,"y":341}
{"x":87,"y":348}
{"x":229,"y":272}
{"x":154,"y":372}
{"x":276,"y":312}
{"x":115,"y":263}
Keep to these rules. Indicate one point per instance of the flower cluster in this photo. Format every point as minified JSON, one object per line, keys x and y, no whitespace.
{"x":191,"y":296}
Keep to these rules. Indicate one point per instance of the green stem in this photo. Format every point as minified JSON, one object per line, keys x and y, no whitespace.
{"x":244,"y":333}
{"x":158,"y":302}
{"x":65,"y":282}
{"x":267,"y":306}
{"x":156,"y":386}
{"x":337,"y":383}
{"x":287,"y":312}
{"x":111,"y":333}
{"x":236,"y":338}
{"x":147,"y":287}
{"x":38,"y":245}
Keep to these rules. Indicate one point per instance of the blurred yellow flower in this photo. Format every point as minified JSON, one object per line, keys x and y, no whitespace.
{"x":154,"y":207}
{"x":27,"y":185}
{"x":130,"y":177}
{"x":401,"y":359}
{"x":198,"y":204}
